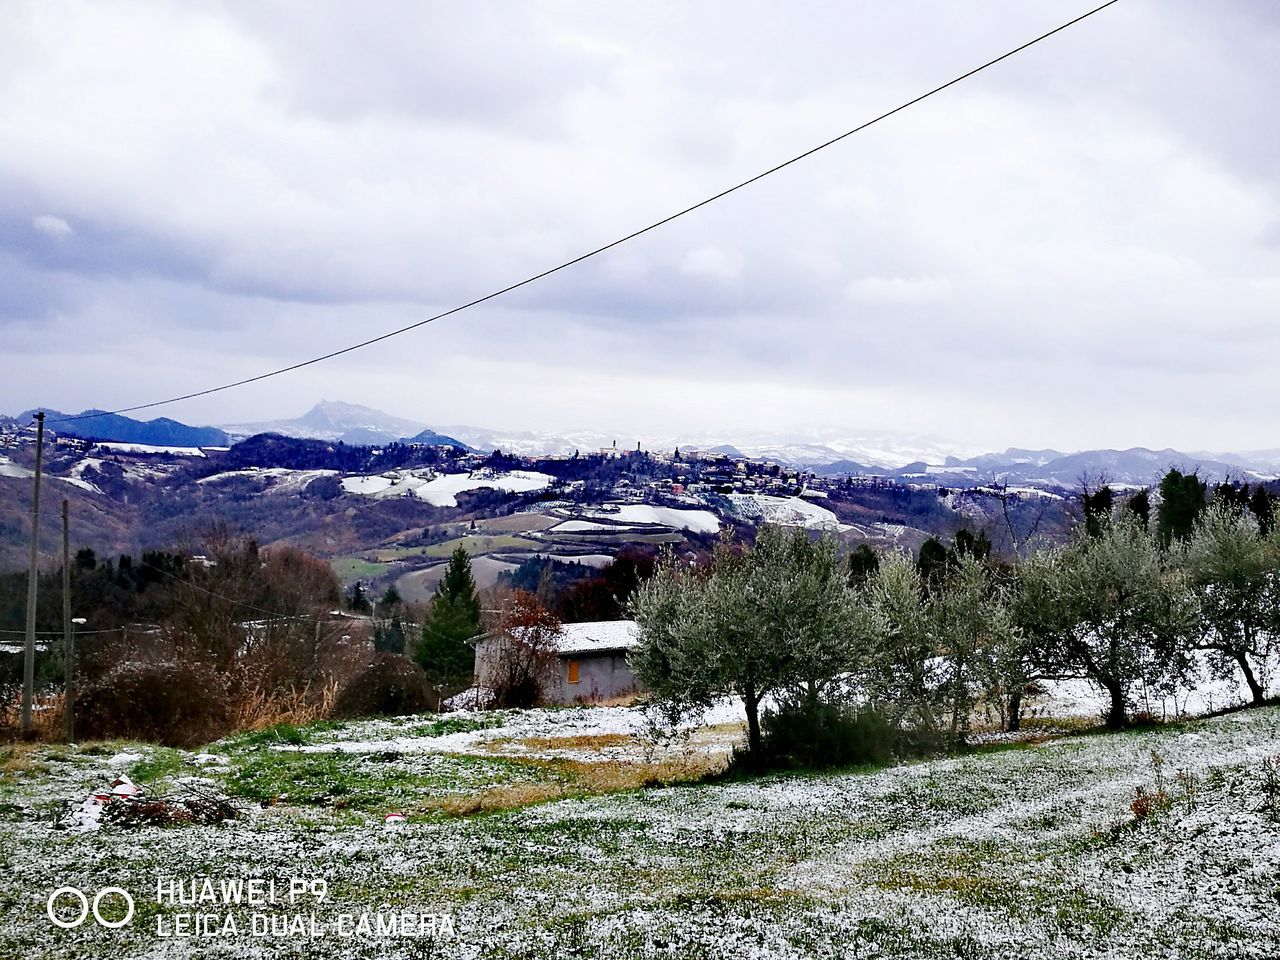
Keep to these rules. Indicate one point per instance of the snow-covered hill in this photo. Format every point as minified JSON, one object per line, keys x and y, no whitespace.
{"x":333,"y":420}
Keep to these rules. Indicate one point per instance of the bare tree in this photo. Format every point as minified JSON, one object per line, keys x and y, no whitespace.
{"x":524,"y":658}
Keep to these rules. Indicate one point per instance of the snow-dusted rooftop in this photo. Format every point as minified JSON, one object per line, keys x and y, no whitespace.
{"x":597,"y":637}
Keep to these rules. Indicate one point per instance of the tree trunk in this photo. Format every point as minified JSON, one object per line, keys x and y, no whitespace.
{"x":1255,"y":688}
{"x":811,"y":691}
{"x":1013,"y":720}
{"x":1118,"y":712}
{"x":752,"y":703}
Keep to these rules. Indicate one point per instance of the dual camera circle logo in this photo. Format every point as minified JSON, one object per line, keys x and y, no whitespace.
{"x":86,"y":907}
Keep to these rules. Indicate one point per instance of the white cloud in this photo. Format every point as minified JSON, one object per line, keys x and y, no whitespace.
{"x":712,"y":263}
{"x":898,"y":290}
{"x":52,"y":226}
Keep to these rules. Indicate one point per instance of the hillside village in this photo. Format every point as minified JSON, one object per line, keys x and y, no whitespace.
{"x":391,"y":513}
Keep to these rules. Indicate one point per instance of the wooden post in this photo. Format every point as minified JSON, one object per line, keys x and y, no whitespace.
{"x":29,"y":659}
{"x":68,"y":634}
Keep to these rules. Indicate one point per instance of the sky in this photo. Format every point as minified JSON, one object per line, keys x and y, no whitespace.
{"x":1077,"y":248}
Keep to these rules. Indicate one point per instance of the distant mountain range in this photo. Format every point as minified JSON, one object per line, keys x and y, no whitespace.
{"x":100,"y":425}
{"x":346,"y":422}
{"x":824,"y":451}
{"x":1135,"y":466}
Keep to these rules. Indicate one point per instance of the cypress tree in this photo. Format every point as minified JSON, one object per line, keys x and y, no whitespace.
{"x":452,"y":619}
{"x":1262,"y":506}
{"x":1097,"y":509}
{"x":1182,"y":498}
{"x":1140,"y":506}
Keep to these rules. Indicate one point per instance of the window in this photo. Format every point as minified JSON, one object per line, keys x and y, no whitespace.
{"x":573,"y":671}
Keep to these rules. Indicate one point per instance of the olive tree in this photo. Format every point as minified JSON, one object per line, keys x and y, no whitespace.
{"x":1116,"y":614}
{"x":934,"y":647}
{"x":977,"y":638}
{"x":1235,"y":572}
{"x":771,"y":619}
{"x":904,"y":675}
{"x":1036,"y":615}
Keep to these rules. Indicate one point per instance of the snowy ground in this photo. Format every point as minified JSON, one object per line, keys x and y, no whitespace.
{"x":785,"y":511}
{"x":441,"y":489}
{"x":149,"y":449}
{"x":700,"y":521}
{"x":1027,"y":850}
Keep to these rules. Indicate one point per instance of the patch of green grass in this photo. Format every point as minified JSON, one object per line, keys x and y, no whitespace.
{"x":350,"y":569}
{"x":372,"y":781}
{"x":477,"y":544}
{"x":517,"y":523}
{"x":448,"y":725}
{"x":278,"y":733}
{"x":160,"y":762}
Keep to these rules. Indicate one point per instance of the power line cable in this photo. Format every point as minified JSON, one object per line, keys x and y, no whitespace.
{"x":601,"y":249}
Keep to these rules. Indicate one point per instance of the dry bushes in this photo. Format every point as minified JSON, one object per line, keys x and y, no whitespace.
{"x":522,"y":658}
{"x":169,"y":702}
{"x":46,"y":716}
{"x":256,"y":709}
{"x":392,"y":685}
{"x":190,"y":805}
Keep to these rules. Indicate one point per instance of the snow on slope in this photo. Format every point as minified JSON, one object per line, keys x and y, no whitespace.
{"x":283,"y":479}
{"x":10,"y":469}
{"x":784,"y":511}
{"x":77,"y":482}
{"x":441,"y":490}
{"x":146,"y":448}
{"x":699,"y":521}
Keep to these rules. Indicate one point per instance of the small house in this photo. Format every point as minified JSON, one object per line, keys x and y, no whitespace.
{"x":591,"y":662}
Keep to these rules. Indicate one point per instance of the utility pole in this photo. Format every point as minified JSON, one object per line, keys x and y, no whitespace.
{"x":29,"y":661}
{"x":68,"y":634}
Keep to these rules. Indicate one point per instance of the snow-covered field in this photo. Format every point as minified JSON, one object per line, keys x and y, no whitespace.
{"x":10,"y":469}
{"x":1030,"y":850}
{"x":699,"y":521}
{"x":441,"y":490}
{"x":146,"y":449}
{"x":281,"y":480}
{"x":785,"y":511}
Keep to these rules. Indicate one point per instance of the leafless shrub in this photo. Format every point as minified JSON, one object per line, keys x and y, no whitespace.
{"x":1153,"y":800}
{"x":391,"y":685}
{"x":169,"y":702}
{"x":190,"y":804}
{"x":524,"y":658}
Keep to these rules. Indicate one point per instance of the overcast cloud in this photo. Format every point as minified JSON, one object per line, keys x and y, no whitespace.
{"x":1078,"y":248}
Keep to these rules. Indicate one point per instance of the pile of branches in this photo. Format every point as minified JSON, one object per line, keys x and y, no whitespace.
{"x":190,"y":804}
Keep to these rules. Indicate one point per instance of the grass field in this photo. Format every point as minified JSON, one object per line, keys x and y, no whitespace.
{"x":517,"y":523}
{"x":475,"y":544}
{"x":551,"y":834}
{"x":351,"y":569}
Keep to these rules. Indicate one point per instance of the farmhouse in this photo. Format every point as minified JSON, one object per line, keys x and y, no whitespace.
{"x":591,"y":662}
